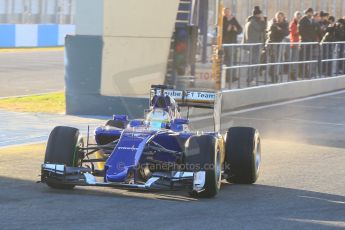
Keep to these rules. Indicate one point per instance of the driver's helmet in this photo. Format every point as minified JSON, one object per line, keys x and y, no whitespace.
{"x":157,"y":117}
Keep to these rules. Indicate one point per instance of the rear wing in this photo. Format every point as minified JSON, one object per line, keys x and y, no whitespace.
{"x":204,"y":99}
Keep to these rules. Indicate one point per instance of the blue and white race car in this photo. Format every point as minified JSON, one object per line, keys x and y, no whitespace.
{"x":159,"y":151}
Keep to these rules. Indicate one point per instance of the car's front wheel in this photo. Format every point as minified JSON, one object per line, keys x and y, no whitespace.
{"x":63,"y":147}
{"x":204,"y":152}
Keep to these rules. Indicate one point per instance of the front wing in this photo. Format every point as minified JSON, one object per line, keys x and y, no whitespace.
{"x":80,"y":176}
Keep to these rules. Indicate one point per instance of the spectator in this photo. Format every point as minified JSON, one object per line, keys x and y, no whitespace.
{"x":328,"y":48}
{"x":294,"y":38}
{"x":308,"y":33}
{"x":317,"y":21}
{"x":340,"y":37}
{"x":231,"y":29}
{"x":324,"y":22}
{"x":278,"y":29}
{"x":254,"y":33}
{"x":330,"y":31}
{"x":315,"y":49}
{"x":340,"y":30}
{"x":331,"y":20}
{"x":306,"y":27}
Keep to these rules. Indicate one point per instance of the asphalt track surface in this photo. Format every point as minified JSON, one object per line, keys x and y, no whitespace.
{"x":31,"y":72}
{"x":36,"y":127}
{"x":301,"y":186}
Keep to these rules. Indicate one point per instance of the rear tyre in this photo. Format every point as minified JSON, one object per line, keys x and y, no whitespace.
{"x":204,"y":150}
{"x":63,"y":148}
{"x":243,"y":155}
{"x":116,"y":124}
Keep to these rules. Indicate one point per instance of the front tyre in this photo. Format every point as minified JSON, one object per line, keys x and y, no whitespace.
{"x":204,"y":152}
{"x":243,"y":155}
{"x":63,"y":147}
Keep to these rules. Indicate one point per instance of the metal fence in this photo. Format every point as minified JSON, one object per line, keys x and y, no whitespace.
{"x":248,"y":65}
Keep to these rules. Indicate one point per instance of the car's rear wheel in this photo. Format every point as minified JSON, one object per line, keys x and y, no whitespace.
{"x":243,"y":155}
{"x":116,"y":124}
{"x":63,"y":147}
{"x":205,"y":149}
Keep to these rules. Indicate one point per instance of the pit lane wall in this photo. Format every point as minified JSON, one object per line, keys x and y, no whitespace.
{"x":34,"y":35}
{"x":242,"y":98}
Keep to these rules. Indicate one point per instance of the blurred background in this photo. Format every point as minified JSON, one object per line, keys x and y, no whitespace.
{"x":62,"y":11}
{"x":37,"y":11}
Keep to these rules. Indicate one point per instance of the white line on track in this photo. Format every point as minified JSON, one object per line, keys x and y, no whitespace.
{"x":315,"y":122}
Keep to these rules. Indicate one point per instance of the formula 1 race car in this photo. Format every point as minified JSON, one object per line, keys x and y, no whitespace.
{"x":159,"y":151}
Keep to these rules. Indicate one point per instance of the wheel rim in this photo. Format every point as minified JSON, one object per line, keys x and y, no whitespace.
{"x":258,"y":156}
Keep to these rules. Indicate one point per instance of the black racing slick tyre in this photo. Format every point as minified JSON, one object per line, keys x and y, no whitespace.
{"x":204,"y":152}
{"x":63,"y":148}
{"x":243,"y":155}
{"x":116,"y":124}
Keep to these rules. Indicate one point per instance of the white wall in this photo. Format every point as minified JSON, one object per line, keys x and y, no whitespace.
{"x":136,"y":41}
{"x":234,"y":99}
{"x":89,"y":17}
{"x":137,"y":36}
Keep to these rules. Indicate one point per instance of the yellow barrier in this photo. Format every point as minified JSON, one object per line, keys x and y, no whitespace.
{"x":31,"y":49}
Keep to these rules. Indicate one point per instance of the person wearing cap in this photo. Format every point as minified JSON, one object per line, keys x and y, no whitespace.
{"x":255,"y":27}
{"x":254,"y":32}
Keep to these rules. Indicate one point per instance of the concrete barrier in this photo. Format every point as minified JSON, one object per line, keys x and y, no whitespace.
{"x":34,"y":35}
{"x":241,"y":98}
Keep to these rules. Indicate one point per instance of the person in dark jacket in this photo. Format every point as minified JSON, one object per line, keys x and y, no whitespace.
{"x":278,"y":29}
{"x":317,"y":21}
{"x":254,"y":32}
{"x":340,"y":37}
{"x":307,"y":31}
{"x":328,"y":47}
{"x":306,"y":27}
{"x":315,"y":52}
{"x":231,"y":29}
{"x":330,"y":31}
{"x":324,"y":22}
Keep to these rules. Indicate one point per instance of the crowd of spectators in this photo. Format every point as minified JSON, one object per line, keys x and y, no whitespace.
{"x":310,"y":37}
